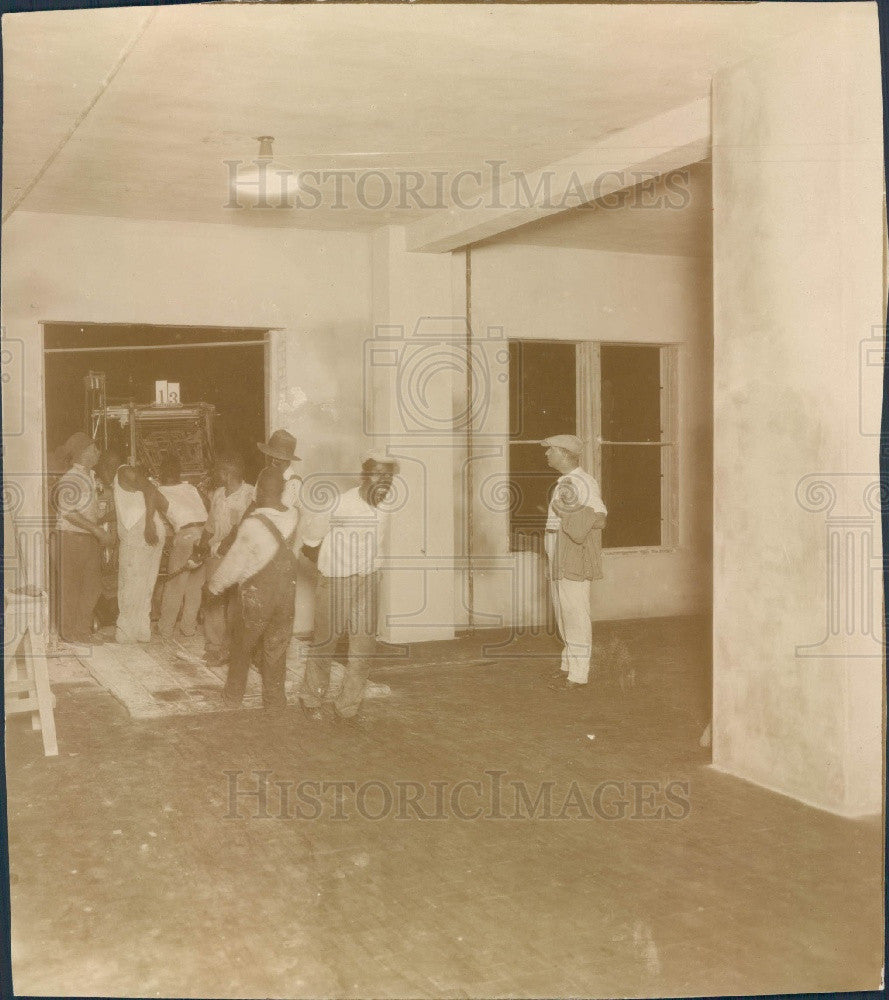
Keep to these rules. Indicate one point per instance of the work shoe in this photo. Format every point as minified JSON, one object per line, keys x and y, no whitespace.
{"x":558,"y":681}
{"x":568,"y":686}
{"x":68,"y":647}
{"x":347,"y":721}
{"x":312,"y":714}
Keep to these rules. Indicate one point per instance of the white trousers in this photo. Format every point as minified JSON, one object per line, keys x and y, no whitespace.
{"x":571,"y":603}
{"x":138,"y":564}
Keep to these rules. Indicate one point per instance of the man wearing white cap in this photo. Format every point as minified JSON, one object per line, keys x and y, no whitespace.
{"x":348,"y":587}
{"x":574,"y":523}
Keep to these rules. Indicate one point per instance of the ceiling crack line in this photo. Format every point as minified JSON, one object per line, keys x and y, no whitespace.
{"x":66,"y":138}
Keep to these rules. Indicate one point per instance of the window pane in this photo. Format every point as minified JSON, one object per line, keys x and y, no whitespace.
{"x":541,"y":390}
{"x":542,"y":402}
{"x":530,"y":483}
{"x":631,"y":402}
{"x":631,"y":489}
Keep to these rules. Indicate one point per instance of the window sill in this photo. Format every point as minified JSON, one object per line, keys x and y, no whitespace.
{"x":640,"y":548}
{"x":628,"y":550}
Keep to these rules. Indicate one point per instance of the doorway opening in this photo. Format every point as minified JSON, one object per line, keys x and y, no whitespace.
{"x":221,"y":367}
{"x":103,"y":379}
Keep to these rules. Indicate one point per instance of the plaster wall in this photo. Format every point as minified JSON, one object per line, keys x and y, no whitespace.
{"x":798,"y":285}
{"x":314,"y":287}
{"x":543,"y":293}
{"x":414,"y":365}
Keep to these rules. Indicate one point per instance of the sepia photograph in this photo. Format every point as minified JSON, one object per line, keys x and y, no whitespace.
{"x":442,"y":500}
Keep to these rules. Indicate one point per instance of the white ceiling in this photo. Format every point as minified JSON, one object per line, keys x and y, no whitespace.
{"x":132,"y":112}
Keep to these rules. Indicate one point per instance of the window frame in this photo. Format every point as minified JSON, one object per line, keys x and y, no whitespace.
{"x":669,"y":426}
{"x":588,"y":402}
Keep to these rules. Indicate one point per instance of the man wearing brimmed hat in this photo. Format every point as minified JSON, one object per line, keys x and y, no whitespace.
{"x":81,"y":540}
{"x":573,"y":542}
{"x":281,"y":450}
{"x":348,"y":554}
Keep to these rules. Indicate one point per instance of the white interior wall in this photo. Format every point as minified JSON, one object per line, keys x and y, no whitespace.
{"x":541,"y":293}
{"x":413,"y":366}
{"x":314,"y":286}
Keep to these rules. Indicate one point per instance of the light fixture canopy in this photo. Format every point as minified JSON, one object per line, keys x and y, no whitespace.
{"x":265,"y":183}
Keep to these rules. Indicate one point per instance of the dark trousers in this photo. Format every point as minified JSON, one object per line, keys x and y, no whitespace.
{"x":263,"y":628}
{"x":80,"y":584}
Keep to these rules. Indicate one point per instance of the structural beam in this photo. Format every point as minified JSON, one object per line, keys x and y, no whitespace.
{"x":621,"y":160}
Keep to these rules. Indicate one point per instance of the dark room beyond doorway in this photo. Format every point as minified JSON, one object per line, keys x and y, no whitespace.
{"x":221,"y":366}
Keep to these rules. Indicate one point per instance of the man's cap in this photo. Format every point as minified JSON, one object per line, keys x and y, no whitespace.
{"x":76,"y":445}
{"x":568,"y":442}
{"x":280,"y":445}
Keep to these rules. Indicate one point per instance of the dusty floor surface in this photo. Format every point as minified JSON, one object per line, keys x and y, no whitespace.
{"x":135,"y":871}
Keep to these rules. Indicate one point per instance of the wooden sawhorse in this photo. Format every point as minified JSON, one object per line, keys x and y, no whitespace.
{"x":26,"y":677}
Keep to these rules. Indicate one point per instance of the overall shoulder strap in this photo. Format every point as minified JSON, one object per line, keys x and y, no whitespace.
{"x":283,"y":542}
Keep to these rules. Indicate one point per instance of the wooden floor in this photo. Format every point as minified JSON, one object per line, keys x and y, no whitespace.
{"x":136,"y":872}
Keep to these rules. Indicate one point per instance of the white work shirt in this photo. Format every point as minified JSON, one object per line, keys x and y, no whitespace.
{"x":184,"y":505}
{"x":254,"y":547}
{"x":355,"y":539}
{"x":226,"y":511}
{"x":577,"y":488}
{"x":129,"y":507}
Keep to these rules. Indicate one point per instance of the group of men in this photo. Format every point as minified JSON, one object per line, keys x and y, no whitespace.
{"x":232,"y":561}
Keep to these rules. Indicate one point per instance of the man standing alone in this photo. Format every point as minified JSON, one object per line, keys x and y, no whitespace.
{"x":574,"y":523}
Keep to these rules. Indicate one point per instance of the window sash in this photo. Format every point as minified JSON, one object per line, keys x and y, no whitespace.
{"x":588,"y":389}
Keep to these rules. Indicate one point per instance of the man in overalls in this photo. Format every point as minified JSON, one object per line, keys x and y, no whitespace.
{"x":262,"y":564}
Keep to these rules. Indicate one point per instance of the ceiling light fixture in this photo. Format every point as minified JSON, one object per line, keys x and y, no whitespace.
{"x":265,"y":184}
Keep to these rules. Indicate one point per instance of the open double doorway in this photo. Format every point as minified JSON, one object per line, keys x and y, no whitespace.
{"x":223,"y":367}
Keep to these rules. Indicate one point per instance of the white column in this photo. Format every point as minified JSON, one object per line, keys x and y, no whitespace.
{"x":415,"y":366}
